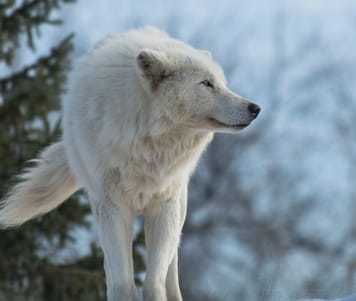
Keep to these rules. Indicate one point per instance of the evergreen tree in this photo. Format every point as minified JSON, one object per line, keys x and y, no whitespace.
{"x":29,"y":104}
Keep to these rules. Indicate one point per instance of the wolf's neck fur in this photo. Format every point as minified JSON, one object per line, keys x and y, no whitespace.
{"x":170,"y":150}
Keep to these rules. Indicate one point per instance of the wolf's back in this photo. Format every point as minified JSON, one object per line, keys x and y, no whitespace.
{"x":40,"y":189}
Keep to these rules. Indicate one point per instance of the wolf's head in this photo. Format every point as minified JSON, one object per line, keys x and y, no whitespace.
{"x":188,"y":88}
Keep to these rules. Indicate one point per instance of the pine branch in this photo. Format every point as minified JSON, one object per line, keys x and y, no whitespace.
{"x":26,"y":18}
{"x":63,"y":45}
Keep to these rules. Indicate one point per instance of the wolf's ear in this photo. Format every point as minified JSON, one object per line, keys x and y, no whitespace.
{"x":153,"y":66}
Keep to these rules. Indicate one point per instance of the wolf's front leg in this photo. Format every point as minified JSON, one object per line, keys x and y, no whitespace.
{"x":172,"y":281}
{"x":115,"y":234}
{"x":162,"y":232}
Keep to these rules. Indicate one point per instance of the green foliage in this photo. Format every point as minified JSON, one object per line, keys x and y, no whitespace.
{"x":16,"y":20}
{"x":28,"y":96}
{"x":81,"y":280}
{"x":29,"y":121}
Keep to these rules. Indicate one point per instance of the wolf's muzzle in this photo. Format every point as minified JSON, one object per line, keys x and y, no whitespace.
{"x":254,"y":110}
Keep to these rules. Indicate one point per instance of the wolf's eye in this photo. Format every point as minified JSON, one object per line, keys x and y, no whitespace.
{"x":207,"y":83}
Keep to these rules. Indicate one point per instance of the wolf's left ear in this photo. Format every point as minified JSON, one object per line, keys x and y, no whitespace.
{"x":153,"y":66}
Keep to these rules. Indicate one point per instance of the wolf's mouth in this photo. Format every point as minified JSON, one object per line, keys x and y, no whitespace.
{"x":219,"y":124}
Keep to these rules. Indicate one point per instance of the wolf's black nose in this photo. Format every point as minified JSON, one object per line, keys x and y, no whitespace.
{"x":254,"y":109}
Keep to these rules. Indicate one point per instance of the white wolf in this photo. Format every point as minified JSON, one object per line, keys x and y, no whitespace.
{"x":140,"y":110}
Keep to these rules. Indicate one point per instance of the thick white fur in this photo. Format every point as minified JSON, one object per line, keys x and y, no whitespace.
{"x":40,"y":188}
{"x":137,"y":117}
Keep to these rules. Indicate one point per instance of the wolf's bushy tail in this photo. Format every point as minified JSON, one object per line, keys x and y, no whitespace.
{"x":40,"y":189}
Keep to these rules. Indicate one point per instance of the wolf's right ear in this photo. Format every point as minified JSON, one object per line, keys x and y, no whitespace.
{"x":152,"y":66}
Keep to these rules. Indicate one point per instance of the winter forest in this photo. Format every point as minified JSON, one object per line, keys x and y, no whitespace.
{"x":271,"y":211}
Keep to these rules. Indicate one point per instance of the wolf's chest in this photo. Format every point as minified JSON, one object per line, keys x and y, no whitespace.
{"x":156,"y":169}
{"x":142,"y":182}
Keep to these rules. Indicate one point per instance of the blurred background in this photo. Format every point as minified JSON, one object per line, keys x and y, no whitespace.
{"x":271,"y":211}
